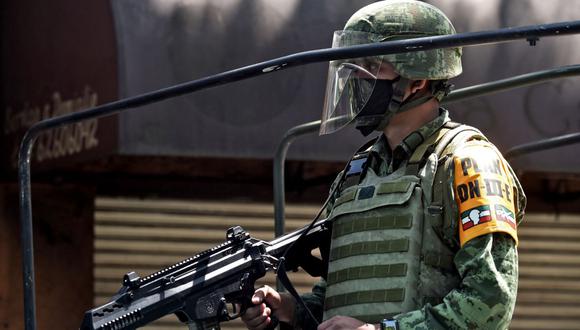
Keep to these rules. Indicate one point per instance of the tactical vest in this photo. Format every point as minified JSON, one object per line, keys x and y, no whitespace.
{"x":390,"y":251}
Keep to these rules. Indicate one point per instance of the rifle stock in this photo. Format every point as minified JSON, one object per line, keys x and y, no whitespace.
{"x":198,"y":290}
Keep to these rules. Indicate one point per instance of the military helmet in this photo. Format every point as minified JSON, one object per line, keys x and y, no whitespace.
{"x":356,"y":89}
{"x":406,"y":19}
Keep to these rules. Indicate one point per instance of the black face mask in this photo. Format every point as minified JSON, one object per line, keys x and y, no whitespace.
{"x":375,"y":109}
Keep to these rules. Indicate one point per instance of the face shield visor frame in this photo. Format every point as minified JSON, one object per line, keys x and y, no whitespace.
{"x":350,"y":82}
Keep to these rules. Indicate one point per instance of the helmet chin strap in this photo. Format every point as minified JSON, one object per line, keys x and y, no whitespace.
{"x":397,"y":105}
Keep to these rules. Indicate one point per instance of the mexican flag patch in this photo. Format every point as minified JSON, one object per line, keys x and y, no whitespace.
{"x":475,"y":216}
{"x":502,"y":213}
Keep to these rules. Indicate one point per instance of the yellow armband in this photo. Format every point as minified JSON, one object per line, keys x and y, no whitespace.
{"x":484,"y":191}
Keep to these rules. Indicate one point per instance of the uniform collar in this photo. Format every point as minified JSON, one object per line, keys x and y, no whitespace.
{"x":389,"y":160}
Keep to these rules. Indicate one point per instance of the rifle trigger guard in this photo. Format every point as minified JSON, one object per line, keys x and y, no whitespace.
{"x":235,"y":313}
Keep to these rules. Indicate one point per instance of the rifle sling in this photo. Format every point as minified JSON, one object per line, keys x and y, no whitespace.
{"x":283,"y":277}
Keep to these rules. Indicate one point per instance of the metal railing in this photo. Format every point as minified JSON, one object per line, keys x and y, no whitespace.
{"x":529,"y":33}
{"x":540,"y":145}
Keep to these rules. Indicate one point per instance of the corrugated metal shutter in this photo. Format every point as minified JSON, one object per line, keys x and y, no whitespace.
{"x":146,"y":235}
{"x":549,"y":286}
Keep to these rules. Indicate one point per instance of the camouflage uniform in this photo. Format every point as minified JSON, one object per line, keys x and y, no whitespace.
{"x":482,"y":200}
{"x":487,"y":266}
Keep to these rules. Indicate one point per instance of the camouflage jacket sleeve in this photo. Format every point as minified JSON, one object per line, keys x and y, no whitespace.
{"x":488,"y":266}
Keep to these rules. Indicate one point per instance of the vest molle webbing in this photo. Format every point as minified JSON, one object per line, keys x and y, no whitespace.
{"x":387,"y":256}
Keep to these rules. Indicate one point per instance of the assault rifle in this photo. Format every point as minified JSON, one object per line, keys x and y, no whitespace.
{"x":200,"y":289}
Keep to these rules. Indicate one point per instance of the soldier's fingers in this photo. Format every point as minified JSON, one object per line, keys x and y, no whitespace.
{"x":253,"y":312}
{"x":259,"y":295}
{"x":265,"y":294}
{"x":264,"y":324}
{"x":257,"y":321}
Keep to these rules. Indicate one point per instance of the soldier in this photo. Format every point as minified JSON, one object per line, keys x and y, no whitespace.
{"x":424,"y":217}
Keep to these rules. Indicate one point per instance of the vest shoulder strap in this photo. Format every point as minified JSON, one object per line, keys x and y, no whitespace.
{"x":451,"y":141}
{"x":438,"y":142}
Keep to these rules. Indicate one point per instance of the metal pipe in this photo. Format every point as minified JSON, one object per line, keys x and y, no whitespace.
{"x":513,"y":82}
{"x":278,"y":177}
{"x":554,"y":142}
{"x":26,"y":236}
{"x":530,"y":33}
{"x":279,"y":159}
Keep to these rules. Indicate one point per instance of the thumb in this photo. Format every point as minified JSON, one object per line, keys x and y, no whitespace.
{"x":267,"y":295}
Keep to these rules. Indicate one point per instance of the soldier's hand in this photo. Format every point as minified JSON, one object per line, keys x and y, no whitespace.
{"x":268,"y":302}
{"x":345,"y":322}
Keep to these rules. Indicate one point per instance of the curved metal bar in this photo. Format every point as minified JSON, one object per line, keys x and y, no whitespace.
{"x":279,"y":159}
{"x":558,"y":141}
{"x":513,"y":82}
{"x":278,"y":177}
{"x":531,"y":33}
{"x":455,"y":96}
{"x":26,"y":237}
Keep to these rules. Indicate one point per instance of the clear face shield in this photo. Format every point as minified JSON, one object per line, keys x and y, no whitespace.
{"x":350,"y":82}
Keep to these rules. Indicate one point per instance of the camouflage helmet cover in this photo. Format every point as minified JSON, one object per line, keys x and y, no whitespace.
{"x":405,"y":19}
